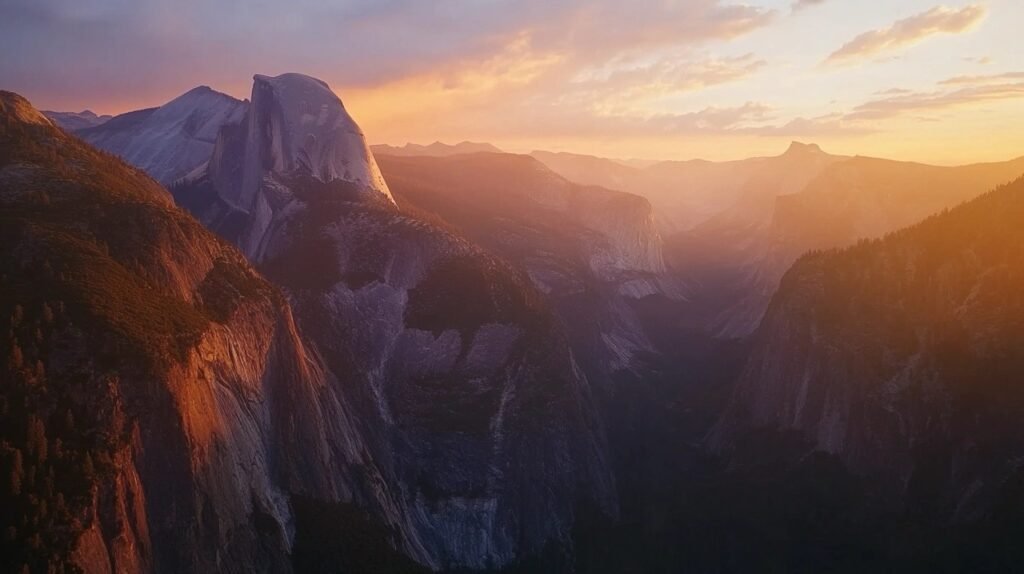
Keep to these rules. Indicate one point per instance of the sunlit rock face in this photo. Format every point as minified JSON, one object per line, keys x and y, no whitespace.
{"x":899,"y":356}
{"x":471,"y":403}
{"x":169,"y":141}
{"x":190,"y":410}
{"x":297,"y":124}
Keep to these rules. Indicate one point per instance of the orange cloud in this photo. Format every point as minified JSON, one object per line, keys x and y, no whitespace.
{"x":938,"y":20}
{"x":627,"y":86}
{"x":986,"y":79}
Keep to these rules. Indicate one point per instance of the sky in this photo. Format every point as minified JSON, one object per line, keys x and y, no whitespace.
{"x":659,"y":79}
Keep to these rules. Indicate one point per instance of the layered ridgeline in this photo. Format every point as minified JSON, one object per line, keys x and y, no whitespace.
{"x":73,"y":121}
{"x":860,"y":198}
{"x":168,"y":141}
{"x":903,"y":357}
{"x":685,"y":194}
{"x":474,"y":408}
{"x":159,"y":409}
{"x":436,"y":149}
{"x":590,"y":250}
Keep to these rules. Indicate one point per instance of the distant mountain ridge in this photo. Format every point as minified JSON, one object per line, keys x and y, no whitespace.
{"x":74,"y":121}
{"x":685,"y":194}
{"x":436,"y":149}
{"x":853,"y":199}
{"x":171,"y":140}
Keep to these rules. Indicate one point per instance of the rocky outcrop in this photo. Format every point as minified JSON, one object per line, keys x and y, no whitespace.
{"x":298,"y":124}
{"x":296,"y":127}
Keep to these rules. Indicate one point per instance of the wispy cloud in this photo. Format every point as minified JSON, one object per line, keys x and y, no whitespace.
{"x":817,"y":127}
{"x":555,"y":121}
{"x":893,"y":92}
{"x":801,"y":4}
{"x":938,"y":20}
{"x":894,"y":103}
{"x":984,"y":79}
{"x":629,"y":85}
{"x":983,"y":60}
{"x":968,"y":94}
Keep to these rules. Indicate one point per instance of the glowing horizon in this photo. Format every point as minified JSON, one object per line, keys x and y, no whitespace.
{"x":911,"y":80}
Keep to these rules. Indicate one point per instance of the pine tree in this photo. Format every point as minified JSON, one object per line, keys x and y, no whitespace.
{"x":17,"y":359}
{"x":15,"y":481}
{"x":88,"y":469}
{"x":17,"y":472}
{"x":37,"y":438}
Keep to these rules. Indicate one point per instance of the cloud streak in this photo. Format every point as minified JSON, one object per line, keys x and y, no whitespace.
{"x":938,"y":20}
{"x":985,"y":79}
{"x":802,"y":4}
{"x":624,"y":86}
{"x":920,"y":102}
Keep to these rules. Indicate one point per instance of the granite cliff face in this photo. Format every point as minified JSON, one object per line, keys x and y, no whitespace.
{"x":296,"y":128}
{"x":467,"y":390}
{"x":900,"y":356}
{"x":163,"y":382}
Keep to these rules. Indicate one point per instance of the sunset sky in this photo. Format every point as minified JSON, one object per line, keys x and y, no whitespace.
{"x":908,"y":79}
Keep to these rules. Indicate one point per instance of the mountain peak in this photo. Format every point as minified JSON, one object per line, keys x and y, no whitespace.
{"x":309,"y":130}
{"x":436,"y":149}
{"x":802,"y":148}
{"x":292,"y":79}
{"x":204,"y":94}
